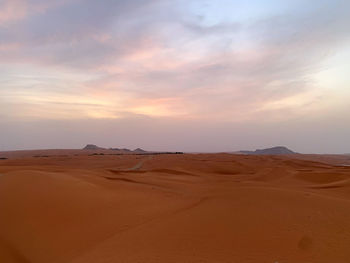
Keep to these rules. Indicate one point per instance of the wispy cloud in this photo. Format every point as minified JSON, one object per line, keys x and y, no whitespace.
{"x":179,"y":59}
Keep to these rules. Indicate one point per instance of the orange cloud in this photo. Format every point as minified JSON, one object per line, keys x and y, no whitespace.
{"x":159,"y":107}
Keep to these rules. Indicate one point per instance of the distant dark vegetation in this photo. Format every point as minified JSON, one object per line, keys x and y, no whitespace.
{"x":146,"y":153}
{"x":158,"y":153}
{"x":3,"y":158}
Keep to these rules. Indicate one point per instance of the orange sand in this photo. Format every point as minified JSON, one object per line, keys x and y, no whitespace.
{"x":174,"y":208}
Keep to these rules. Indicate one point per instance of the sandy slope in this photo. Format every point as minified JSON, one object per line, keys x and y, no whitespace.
{"x":174,"y":208}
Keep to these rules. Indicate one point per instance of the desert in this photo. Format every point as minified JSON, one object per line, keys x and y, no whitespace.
{"x":174,"y":131}
{"x":75,"y":207}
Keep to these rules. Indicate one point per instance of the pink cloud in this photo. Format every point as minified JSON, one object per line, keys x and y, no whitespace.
{"x":9,"y":47}
{"x":12,"y":10}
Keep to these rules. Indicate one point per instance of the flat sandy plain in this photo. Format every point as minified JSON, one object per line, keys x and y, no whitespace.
{"x":74,"y":208}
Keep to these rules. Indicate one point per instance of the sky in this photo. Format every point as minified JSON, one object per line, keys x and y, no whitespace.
{"x":181,"y":75}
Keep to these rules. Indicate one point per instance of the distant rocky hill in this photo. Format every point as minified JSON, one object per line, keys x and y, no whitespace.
{"x":124,"y":150}
{"x":92,"y":147}
{"x":279,"y":150}
{"x":139,"y":150}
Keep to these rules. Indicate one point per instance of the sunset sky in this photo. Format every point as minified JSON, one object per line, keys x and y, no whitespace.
{"x":184,"y":75}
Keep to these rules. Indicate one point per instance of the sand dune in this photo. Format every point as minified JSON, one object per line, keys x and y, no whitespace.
{"x":76,"y":208}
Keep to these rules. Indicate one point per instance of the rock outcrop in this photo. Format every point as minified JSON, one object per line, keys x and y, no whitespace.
{"x":279,"y":150}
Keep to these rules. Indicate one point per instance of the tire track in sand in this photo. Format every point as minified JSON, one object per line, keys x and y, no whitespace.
{"x":139,"y":165}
